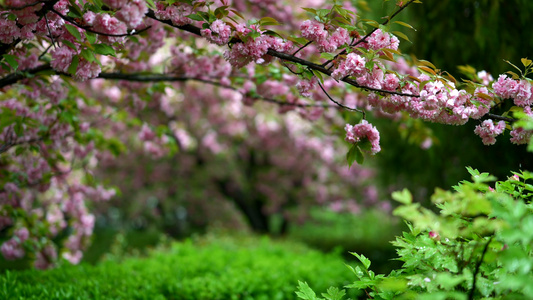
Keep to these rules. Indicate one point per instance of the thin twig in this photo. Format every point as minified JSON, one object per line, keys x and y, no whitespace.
{"x":49,"y":31}
{"x":301,"y":48}
{"x":339,"y":104}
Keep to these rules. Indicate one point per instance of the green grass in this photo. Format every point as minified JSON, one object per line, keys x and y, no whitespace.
{"x":208,"y":268}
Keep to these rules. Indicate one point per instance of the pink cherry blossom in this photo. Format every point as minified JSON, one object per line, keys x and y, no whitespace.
{"x":363,"y":131}
{"x":218,"y":33}
{"x":488,"y":131}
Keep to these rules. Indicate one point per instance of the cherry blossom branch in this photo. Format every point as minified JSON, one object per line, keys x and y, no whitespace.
{"x":325,"y":71}
{"x":20,"y":75}
{"x":288,"y":57}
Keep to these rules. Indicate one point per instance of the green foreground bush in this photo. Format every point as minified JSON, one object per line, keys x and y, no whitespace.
{"x":208,"y":268}
{"x":478,"y":246}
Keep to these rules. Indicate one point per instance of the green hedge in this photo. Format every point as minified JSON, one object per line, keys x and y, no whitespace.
{"x":210,"y":268}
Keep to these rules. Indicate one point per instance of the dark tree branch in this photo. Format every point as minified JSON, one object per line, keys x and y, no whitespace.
{"x":323,"y":70}
{"x":19,"y":75}
{"x":498,"y":117}
{"x":190,"y":28}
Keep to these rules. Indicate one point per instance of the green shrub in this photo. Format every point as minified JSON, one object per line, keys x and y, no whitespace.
{"x":480,"y":245}
{"x":208,"y":268}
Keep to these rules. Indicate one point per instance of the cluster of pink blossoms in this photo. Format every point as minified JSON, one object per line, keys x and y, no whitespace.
{"x":319,"y":33}
{"x":218,"y":33}
{"x":362,"y":131}
{"x":305,"y":86}
{"x":177,"y":12}
{"x":381,"y":40}
{"x":254,"y":49}
{"x":62,"y":59}
{"x":107,"y":24}
{"x":436,"y":102}
{"x":488,"y":131}
{"x":130,"y":12}
{"x":152,"y":144}
{"x":520,"y":91}
{"x":519,"y":135}
{"x":353,"y":65}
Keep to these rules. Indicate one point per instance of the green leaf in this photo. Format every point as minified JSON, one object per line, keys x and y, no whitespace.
{"x":221,"y":12}
{"x":305,"y":292}
{"x":70,"y":45}
{"x":334,"y":293}
{"x":526,"y":62}
{"x":403,"y":196}
{"x":371,"y":23}
{"x":327,"y":56}
{"x":310,"y":10}
{"x":355,"y":154}
{"x":513,"y":74}
{"x":104,"y":49}
{"x":12,"y":61}
{"x":151,"y":4}
{"x":318,"y":75}
{"x":297,"y":40}
{"x":91,"y":37}
{"x":268,"y":21}
{"x":402,"y":35}
{"x":405,"y":24}
{"x":19,"y":129}
{"x":74,"y":11}
{"x":73,"y":30}
{"x":87,"y":55}
{"x":74,"y":65}
{"x":365,"y":261}
{"x":195,"y":17}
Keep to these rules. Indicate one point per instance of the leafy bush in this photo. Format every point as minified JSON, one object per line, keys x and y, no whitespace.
{"x":208,"y":268}
{"x":479,"y":245}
